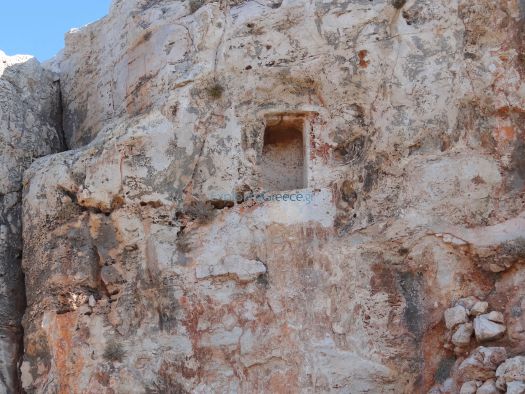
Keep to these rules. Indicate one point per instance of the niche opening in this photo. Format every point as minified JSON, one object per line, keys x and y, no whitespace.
{"x":283,"y":155}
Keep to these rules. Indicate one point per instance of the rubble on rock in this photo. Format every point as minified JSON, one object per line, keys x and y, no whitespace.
{"x":485,"y":326}
{"x":481,"y":364}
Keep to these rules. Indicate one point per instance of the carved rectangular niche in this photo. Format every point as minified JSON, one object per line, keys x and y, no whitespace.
{"x":283,"y":164}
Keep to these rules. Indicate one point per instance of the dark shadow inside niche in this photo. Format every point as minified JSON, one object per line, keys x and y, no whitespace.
{"x":283,"y":155}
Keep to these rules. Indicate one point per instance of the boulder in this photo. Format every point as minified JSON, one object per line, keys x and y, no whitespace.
{"x":470,"y":387}
{"x":455,"y":316}
{"x":515,"y":388}
{"x":479,"y":308}
{"x":489,"y":387}
{"x":496,"y":317}
{"x":481,"y":364}
{"x":463,"y":334}
{"x":467,"y":302}
{"x":486,"y":329}
{"x":511,"y":370}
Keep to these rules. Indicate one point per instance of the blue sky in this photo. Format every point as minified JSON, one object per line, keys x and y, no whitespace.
{"x":37,"y":27}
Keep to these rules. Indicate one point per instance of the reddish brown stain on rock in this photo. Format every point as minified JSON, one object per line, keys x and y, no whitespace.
{"x":62,"y":341}
{"x":383,"y":280}
{"x":363,"y":62}
{"x":504,"y":133}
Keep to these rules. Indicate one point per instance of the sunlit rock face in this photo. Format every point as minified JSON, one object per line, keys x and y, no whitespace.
{"x":30,"y":127}
{"x":165,"y":251}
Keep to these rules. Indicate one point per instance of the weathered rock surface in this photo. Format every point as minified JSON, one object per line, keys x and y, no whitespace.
{"x":30,"y":127}
{"x":241,"y":268}
{"x":513,"y":369}
{"x":481,"y":364}
{"x":454,"y":316}
{"x":487,"y":329}
{"x":515,"y":388}
{"x":470,"y":387}
{"x":399,"y":127}
{"x":494,"y":316}
{"x":489,"y":387}
{"x":479,"y":308}
{"x":462,"y":335}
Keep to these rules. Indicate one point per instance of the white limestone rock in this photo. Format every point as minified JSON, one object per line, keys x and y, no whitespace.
{"x":495,"y":316}
{"x":513,"y":369}
{"x":515,"y":387}
{"x":455,"y":315}
{"x":30,"y":128}
{"x":416,"y":108}
{"x":463,"y":334}
{"x":479,"y":308}
{"x":481,"y":364}
{"x":467,"y":302}
{"x":486,"y":329}
{"x":488,"y":387}
{"x":470,"y":387}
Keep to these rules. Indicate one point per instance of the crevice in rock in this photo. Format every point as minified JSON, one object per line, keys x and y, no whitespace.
{"x":74,"y":199}
{"x":60,"y":119}
{"x":57,"y":117}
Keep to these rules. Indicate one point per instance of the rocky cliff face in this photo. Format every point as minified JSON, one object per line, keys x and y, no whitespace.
{"x":30,"y":127}
{"x":279,"y":196}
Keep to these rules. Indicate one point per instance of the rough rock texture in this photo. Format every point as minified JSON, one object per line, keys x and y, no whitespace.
{"x":470,"y":387}
{"x":489,"y":387}
{"x":479,"y":308}
{"x":481,"y":364}
{"x":149,"y":269}
{"x":463,"y":334}
{"x":486,"y":329}
{"x":30,"y":127}
{"x":515,"y":388}
{"x":454,"y":316}
{"x":511,"y":370}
